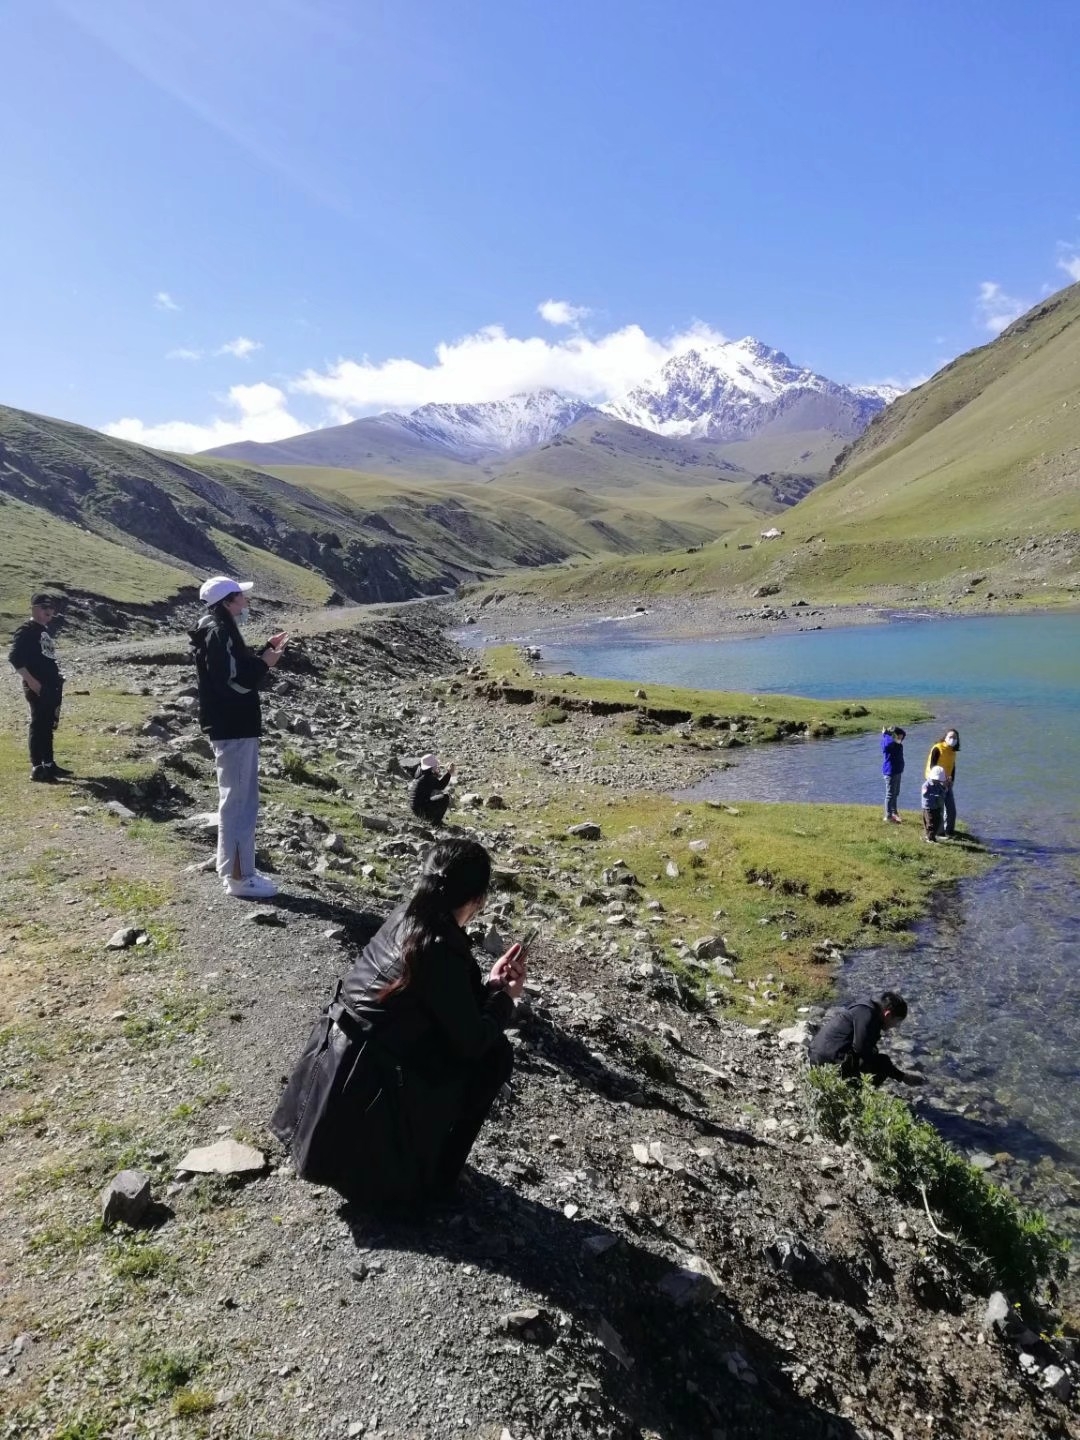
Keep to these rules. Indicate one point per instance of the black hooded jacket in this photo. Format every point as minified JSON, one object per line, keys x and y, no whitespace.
{"x":849,"y":1036}
{"x":426,"y":786}
{"x":230,"y":678}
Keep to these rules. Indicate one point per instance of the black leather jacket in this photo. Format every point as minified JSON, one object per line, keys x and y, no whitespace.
{"x":445,"y":1015}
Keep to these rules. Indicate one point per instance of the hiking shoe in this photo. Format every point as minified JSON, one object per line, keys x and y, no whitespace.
{"x":59,"y":772}
{"x":896,"y":820}
{"x":251,"y":887}
{"x":43,"y":774}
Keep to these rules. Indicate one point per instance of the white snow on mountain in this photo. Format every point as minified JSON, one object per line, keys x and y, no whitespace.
{"x":730,"y":390}
{"x":492,"y":426}
{"x":884,"y":391}
{"x":736,"y":389}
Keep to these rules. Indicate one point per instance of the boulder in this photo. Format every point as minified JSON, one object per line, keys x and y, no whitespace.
{"x":586,"y":830}
{"x":126,"y":1200}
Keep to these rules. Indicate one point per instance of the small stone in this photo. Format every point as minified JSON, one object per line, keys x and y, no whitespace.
{"x":612,"y":1343}
{"x":121,"y":812}
{"x":710,"y":947}
{"x":376,"y":822}
{"x":335,"y":932}
{"x":123,"y":938}
{"x":586,"y":830}
{"x":694,"y":1282}
{"x":224,"y":1157}
{"x":570,"y":1210}
{"x":1055,"y":1380}
{"x":334,"y":843}
{"x":495,"y":802}
{"x":698,"y":846}
{"x":641,"y":1154}
{"x":531,"y":1325}
{"x":126,"y":1199}
{"x":981,"y":1160}
{"x":997,"y":1312}
{"x":264,"y":917}
{"x":671,"y":870}
{"x":794,"y":1034}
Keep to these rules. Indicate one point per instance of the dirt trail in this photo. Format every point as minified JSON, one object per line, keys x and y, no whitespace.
{"x":738,"y":1276}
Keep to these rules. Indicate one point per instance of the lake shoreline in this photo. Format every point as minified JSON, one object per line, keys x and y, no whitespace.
{"x":501,"y":617}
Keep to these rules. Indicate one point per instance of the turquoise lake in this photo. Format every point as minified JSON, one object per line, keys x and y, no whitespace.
{"x":994,"y":978}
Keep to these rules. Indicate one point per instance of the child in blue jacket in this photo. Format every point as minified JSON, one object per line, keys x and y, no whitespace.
{"x":892,"y":767}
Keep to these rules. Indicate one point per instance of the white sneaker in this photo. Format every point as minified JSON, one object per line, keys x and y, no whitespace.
{"x":251,"y":887}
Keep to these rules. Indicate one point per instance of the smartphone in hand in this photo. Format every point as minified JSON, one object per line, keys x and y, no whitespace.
{"x":530,"y":939}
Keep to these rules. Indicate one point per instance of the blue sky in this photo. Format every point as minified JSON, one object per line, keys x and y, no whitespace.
{"x":227,"y":217}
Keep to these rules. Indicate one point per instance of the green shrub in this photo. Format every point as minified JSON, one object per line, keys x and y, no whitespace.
{"x":996,"y":1241}
{"x":193,"y":1402}
{"x":551,"y":715}
{"x":295,"y":768}
{"x":165,"y":1372}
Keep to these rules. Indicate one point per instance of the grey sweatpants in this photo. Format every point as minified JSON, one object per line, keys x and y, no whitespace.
{"x":238,"y":805}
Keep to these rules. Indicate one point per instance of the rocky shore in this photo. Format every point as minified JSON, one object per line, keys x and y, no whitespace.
{"x":654,"y":1240}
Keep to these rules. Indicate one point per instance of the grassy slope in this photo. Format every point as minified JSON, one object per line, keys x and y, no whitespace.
{"x":957,"y":476}
{"x":42,"y":550}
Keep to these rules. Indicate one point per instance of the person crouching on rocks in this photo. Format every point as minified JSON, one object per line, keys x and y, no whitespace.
{"x":401,"y":1071}
{"x":428,"y":794}
{"x":230,"y":711}
{"x":849,"y":1035}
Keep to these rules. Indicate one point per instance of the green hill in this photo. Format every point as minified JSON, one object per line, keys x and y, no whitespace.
{"x":107,"y":521}
{"x":966,"y":488}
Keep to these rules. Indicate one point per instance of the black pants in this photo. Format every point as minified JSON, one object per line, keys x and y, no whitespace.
{"x":44,"y":718}
{"x":487,"y":1077}
{"x":434,"y":810}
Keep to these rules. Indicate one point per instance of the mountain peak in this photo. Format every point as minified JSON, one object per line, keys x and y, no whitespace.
{"x":734,"y":389}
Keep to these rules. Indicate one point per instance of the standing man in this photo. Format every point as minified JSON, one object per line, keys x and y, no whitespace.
{"x":33,"y":656}
{"x":230,"y":711}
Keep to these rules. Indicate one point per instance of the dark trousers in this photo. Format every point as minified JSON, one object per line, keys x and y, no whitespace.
{"x":44,"y":718}
{"x":892,"y":794}
{"x":434,"y":810}
{"x":932,"y":820}
{"x":950,"y":812}
{"x":486,"y":1078}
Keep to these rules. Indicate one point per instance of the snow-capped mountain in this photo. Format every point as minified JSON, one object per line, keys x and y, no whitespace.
{"x":739,"y":389}
{"x":492,"y":427}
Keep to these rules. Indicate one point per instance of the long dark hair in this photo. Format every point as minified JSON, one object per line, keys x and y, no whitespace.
{"x":455,"y":872}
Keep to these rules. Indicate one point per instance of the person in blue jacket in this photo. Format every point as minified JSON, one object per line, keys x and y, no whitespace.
{"x":892,"y":767}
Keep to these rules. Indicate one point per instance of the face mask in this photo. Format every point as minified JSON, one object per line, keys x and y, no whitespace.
{"x":950,"y":740}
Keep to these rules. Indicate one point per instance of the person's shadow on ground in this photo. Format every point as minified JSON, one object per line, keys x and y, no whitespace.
{"x":682,"y":1371}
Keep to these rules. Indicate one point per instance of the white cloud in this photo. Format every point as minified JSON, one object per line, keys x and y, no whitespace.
{"x":164,"y":301}
{"x":1069,"y":261}
{"x":183,"y":353}
{"x":490,"y":365}
{"x":994,"y":309}
{"x":241,"y":347}
{"x":561,"y":312}
{"x":260,"y":414}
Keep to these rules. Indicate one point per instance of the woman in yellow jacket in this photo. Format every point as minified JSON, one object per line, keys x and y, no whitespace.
{"x":943,"y":752}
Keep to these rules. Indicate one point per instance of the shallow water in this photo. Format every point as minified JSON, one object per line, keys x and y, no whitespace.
{"x":994,"y":979}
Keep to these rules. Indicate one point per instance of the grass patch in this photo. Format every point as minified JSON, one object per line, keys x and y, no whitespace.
{"x":135,"y":897}
{"x":138,"y":1259}
{"x":773,"y":880}
{"x":722,"y":717}
{"x":995,"y":1240}
{"x":187,"y":1403}
{"x":85,"y":1427}
{"x":296,"y":769}
{"x":165,"y":1371}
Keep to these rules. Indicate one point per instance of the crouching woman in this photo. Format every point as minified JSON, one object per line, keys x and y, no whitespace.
{"x":400,"y":1072}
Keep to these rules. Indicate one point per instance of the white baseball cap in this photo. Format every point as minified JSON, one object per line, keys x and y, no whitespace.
{"x":220,"y":587}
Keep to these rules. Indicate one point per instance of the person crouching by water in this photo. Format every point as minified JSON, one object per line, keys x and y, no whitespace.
{"x":944,"y":752}
{"x":935,"y":793}
{"x":230,"y":711}
{"x":428,"y":794}
{"x":892,"y":767}
{"x":849,"y":1035}
{"x":400,"y":1072}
